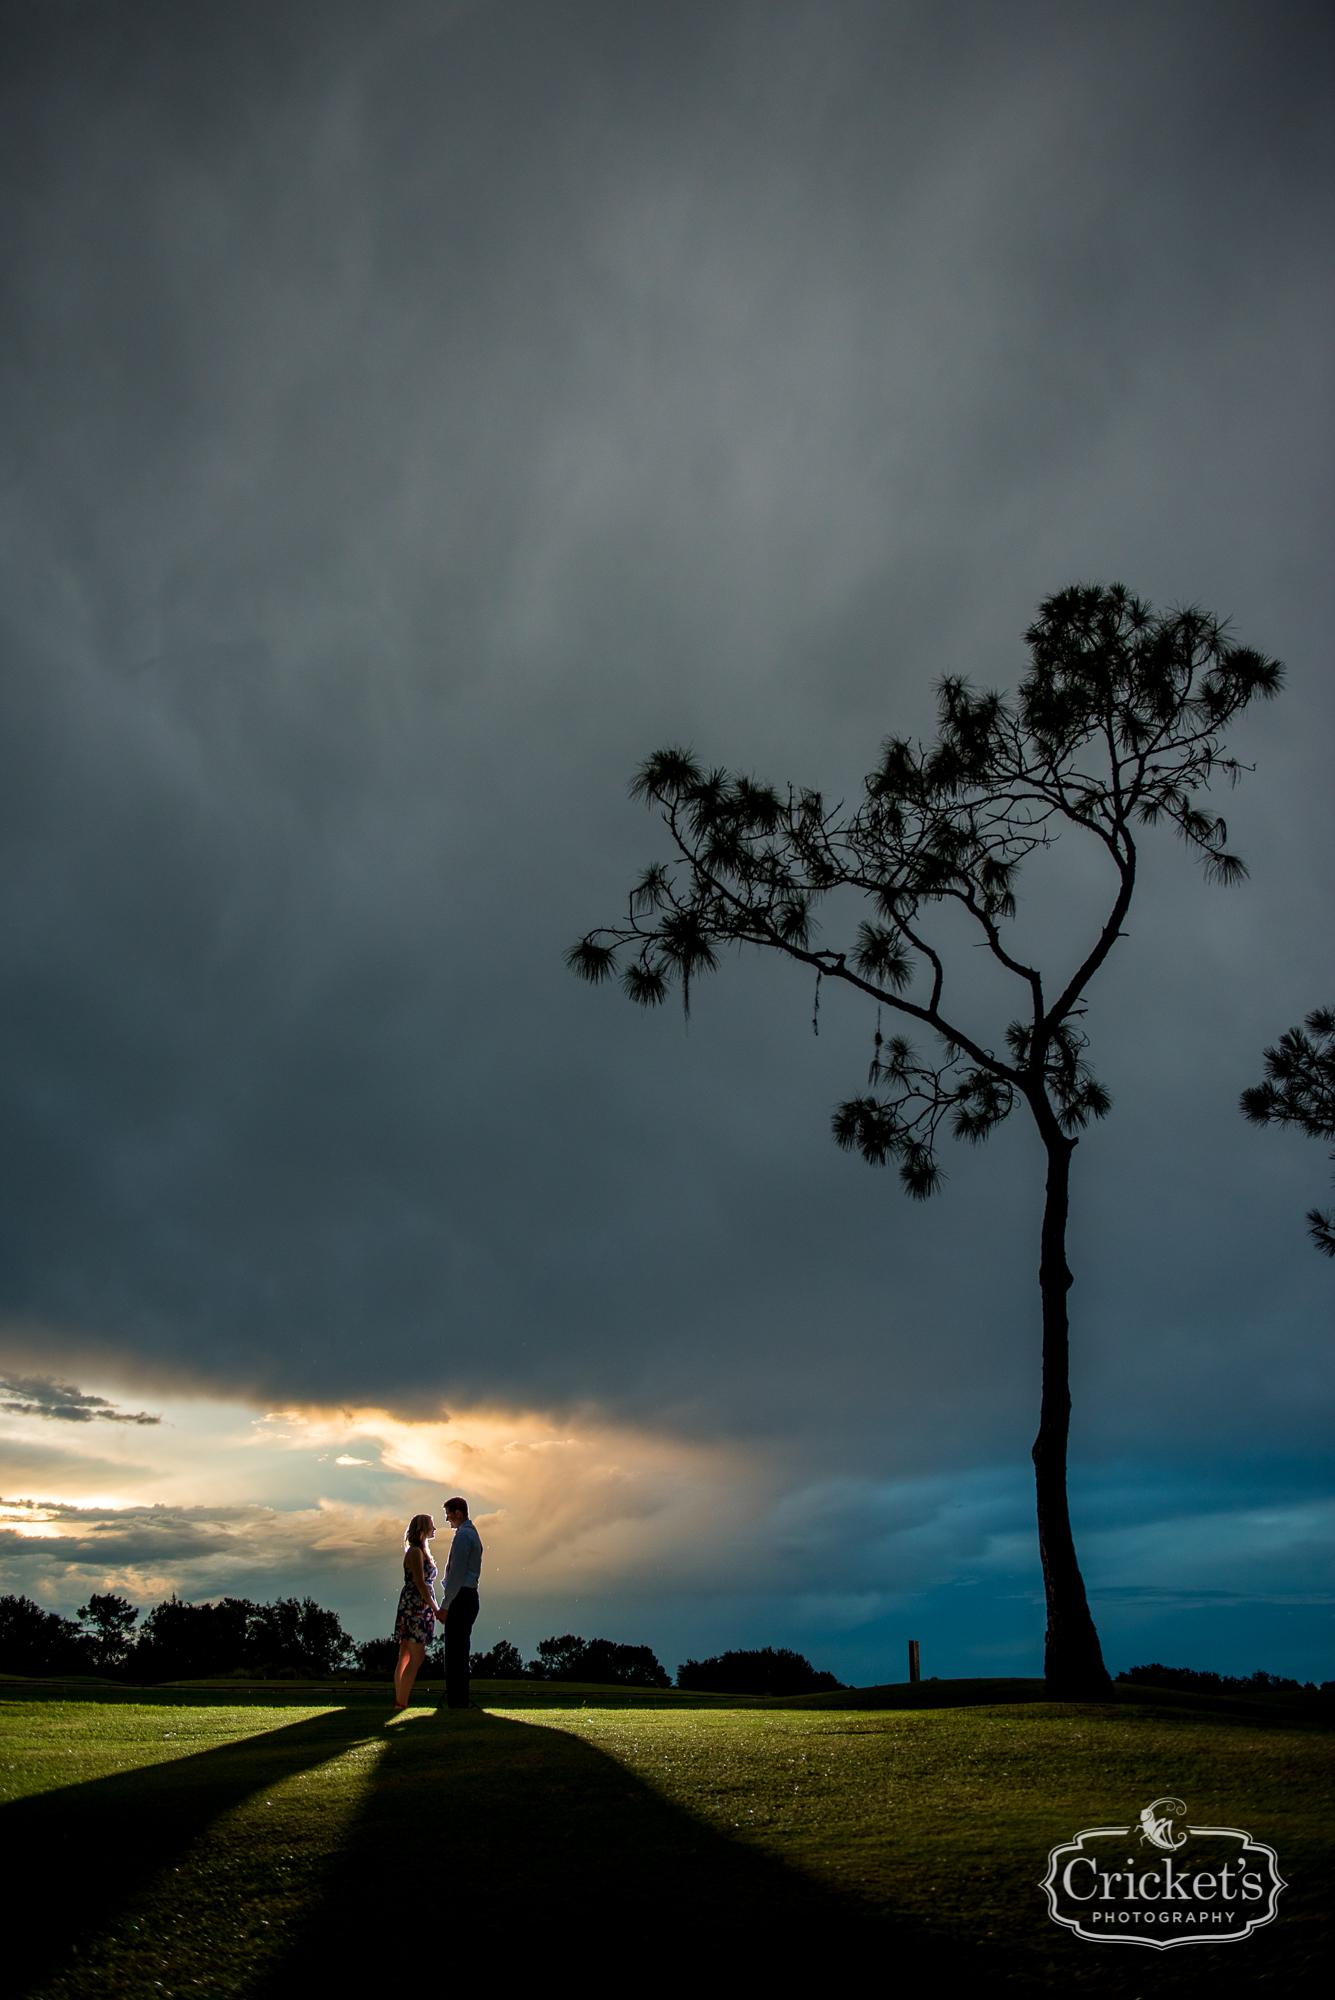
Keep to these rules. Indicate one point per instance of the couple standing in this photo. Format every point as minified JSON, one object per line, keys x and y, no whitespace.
{"x":415,"y":1626}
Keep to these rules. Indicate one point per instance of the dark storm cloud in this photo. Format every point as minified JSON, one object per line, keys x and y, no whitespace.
{"x":415,"y":415}
{"x":198,"y":1551}
{"x":64,"y":1403}
{"x":177,"y":1535}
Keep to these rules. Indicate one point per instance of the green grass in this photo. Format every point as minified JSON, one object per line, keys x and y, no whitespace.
{"x":179,"y":1842}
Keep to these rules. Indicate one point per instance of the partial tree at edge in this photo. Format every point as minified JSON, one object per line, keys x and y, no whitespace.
{"x":1299,"y":1089}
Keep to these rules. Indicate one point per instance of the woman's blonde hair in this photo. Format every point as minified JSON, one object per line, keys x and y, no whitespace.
{"x":416,"y":1532}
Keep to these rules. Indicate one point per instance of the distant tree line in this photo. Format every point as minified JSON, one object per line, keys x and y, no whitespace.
{"x":33,"y":1641}
{"x":502,"y":1663}
{"x":291,"y":1638}
{"x":298,"y":1639}
{"x":764,"y":1670}
{"x":605,"y":1663}
{"x":1156,"y":1675}
{"x":567,"y":1657}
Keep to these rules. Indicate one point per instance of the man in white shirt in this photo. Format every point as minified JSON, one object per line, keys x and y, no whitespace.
{"x":459,"y":1600}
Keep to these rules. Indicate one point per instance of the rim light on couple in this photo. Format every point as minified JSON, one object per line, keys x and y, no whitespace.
{"x":415,"y":1624}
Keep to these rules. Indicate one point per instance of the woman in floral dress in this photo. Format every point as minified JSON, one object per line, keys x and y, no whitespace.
{"x":415,"y":1625}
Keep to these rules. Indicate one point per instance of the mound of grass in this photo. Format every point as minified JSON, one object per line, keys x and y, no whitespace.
{"x":180,"y":1845}
{"x":938,"y":1821}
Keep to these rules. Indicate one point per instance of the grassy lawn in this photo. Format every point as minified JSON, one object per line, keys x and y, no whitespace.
{"x":185,"y":1842}
{"x":940,"y":1822}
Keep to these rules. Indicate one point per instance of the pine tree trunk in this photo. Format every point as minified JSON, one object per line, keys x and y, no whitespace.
{"x":1073,"y":1661}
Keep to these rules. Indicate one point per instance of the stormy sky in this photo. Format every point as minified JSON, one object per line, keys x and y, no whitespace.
{"x":412,"y":416}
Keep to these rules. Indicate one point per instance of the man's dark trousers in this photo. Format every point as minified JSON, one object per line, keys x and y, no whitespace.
{"x":458,"y":1632}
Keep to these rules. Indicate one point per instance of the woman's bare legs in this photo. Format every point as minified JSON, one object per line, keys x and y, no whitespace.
{"x":411,"y":1656}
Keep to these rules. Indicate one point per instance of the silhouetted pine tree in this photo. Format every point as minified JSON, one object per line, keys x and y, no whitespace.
{"x":1299,"y":1089}
{"x":1116,"y":725}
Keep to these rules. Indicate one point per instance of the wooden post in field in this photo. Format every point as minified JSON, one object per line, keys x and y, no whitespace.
{"x":914,"y":1674}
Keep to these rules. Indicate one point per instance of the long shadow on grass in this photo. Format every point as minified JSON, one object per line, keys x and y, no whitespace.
{"x":495,"y":1847}
{"x":70,"y":1859}
{"x":487,"y":1848}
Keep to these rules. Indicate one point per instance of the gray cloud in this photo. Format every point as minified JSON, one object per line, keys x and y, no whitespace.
{"x":63,"y":1403}
{"x":177,"y":1536}
{"x":414,"y":416}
